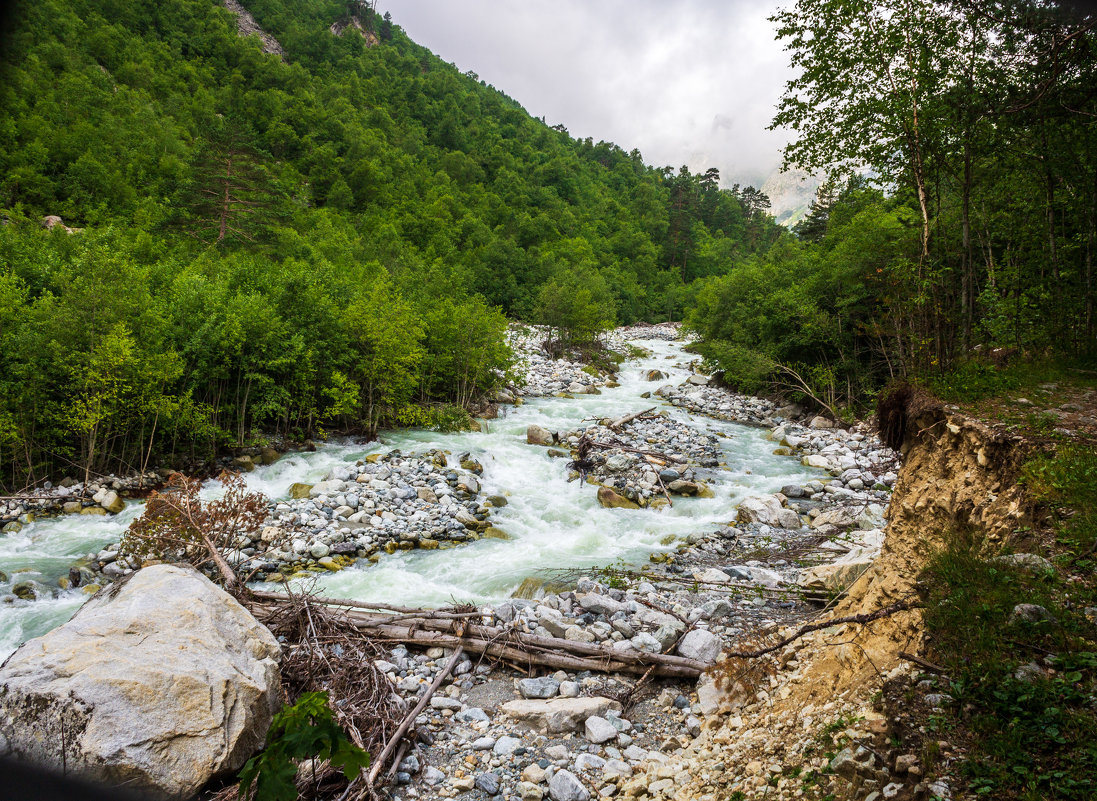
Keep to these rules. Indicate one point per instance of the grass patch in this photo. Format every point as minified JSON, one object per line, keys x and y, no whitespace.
{"x":1067,"y":483}
{"x":1031,"y":734}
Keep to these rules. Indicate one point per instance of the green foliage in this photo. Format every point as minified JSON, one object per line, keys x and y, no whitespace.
{"x":933,"y":99}
{"x":305,"y":730}
{"x":576,"y":307}
{"x":971,"y":381}
{"x":1067,"y":482}
{"x":282,"y":245}
{"x":1032,"y":737}
{"x":811,"y":308}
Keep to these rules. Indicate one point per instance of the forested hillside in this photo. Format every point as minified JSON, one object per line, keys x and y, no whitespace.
{"x":282,"y":244}
{"x":955,"y":241}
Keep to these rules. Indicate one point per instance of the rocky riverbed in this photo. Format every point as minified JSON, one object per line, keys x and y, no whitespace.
{"x":699,"y":587}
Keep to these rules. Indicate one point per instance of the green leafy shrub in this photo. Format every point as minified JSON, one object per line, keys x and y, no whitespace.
{"x":305,"y":730}
{"x":1068,"y":481}
{"x":972,"y":381}
{"x":1031,"y":734}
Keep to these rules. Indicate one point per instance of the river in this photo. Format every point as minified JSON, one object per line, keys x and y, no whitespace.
{"x":553,"y":524}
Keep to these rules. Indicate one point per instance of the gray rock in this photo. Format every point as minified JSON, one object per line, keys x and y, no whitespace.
{"x":487,"y":783}
{"x":600,"y":604}
{"x":433,"y":777}
{"x":483,"y":744}
{"x":506,"y":745}
{"x":558,"y":714}
{"x":1031,"y":613}
{"x":1025,"y":561}
{"x":589,"y":762}
{"x":854,"y":761}
{"x":541,"y":687}
{"x":599,"y":730}
{"x":565,"y":786}
{"x":199,"y":686}
{"x":473,"y":714}
{"x":701,"y":645}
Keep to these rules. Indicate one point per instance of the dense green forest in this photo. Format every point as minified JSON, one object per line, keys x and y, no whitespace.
{"x":955,"y":240}
{"x":332,"y":238}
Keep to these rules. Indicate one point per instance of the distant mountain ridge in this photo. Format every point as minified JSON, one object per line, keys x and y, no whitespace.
{"x":790,"y":195}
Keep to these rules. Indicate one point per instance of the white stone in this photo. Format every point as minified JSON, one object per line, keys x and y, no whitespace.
{"x":162,"y":680}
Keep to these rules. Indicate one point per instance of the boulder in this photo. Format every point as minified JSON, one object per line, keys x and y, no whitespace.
{"x":558,"y":714}
{"x":299,"y":491}
{"x":537,"y":435}
{"x":836,"y":577}
{"x":698,"y":380}
{"x":701,"y":645}
{"x":162,"y":681}
{"x":540,"y":687}
{"x":655,"y":375}
{"x":761,"y":509}
{"x":1025,"y":561}
{"x":755,"y":574}
{"x":611,"y":500}
{"x":112,"y":503}
{"x":840,"y":517}
{"x":600,"y":604}
{"x":815,"y":460}
{"x":599,"y":730}
{"x":820,"y":422}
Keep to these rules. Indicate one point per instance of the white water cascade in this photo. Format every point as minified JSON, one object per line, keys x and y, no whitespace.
{"x":552,"y":523}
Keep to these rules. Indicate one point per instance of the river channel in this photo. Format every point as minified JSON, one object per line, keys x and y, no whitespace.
{"x":552,"y":524}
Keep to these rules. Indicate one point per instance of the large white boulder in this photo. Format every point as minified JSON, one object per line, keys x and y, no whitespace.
{"x":160,"y":682}
{"x":767,"y":509}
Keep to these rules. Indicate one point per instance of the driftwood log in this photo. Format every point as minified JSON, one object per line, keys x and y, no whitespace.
{"x":447,"y":628}
{"x":628,"y":418}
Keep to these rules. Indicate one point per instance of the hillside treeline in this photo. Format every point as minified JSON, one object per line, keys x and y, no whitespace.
{"x":958,"y":231}
{"x":331,"y":238}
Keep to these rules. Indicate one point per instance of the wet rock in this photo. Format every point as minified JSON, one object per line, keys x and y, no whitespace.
{"x":537,"y":435}
{"x":112,"y":503}
{"x":611,"y":500}
{"x":299,"y":491}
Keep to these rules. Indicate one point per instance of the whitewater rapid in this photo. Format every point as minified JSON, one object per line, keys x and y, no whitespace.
{"x":552,"y":524}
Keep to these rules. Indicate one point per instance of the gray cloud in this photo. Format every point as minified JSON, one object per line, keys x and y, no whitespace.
{"x":693,"y":82}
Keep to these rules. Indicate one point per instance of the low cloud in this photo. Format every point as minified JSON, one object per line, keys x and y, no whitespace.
{"x":693,"y":82}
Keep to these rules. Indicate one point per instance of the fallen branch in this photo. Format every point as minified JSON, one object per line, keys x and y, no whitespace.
{"x":409,"y":719}
{"x":445,"y":628}
{"x":826,"y":624}
{"x":628,"y":418}
{"x":932,"y":668}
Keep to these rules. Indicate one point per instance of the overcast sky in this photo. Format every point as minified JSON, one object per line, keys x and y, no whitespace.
{"x":690,"y":82}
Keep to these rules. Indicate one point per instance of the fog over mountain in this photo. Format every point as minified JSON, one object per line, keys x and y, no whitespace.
{"x":692,"y":83}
